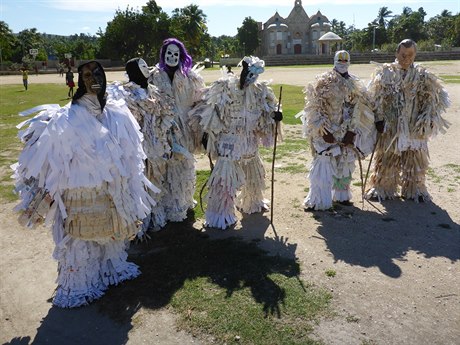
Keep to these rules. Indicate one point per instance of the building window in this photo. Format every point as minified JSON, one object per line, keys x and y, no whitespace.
{"x":279,"y":36}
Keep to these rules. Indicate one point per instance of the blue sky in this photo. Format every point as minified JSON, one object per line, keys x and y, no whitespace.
{"x":66,"y":17}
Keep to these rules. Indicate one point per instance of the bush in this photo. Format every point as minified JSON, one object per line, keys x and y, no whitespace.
{"x":426,"y":46}
{"x":389,"y":47}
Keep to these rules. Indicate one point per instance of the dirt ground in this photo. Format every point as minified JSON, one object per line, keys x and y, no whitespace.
{"x":397,"y":263}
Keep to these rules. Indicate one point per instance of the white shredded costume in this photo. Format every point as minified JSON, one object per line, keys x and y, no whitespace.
{"x":82,"y":171}
{"x":153,"y":111}
{"x":411,"y":103}
{"x":237,"y":122}
{"x":184,"y":91}
{"x":335,"y":104}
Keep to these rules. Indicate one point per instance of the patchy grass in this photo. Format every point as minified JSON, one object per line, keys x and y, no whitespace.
{"x":454,"y":167}
{"x":293,"y":101}
{"x":448,"y":174}
{"x":290,"y":148}
{"x":220,"y":289}
{"x":331,"y":273}
{"x":202,"y":177}
{"x":293,"y":168}
{"x":433,"y":176}
{"x":450,"y":79}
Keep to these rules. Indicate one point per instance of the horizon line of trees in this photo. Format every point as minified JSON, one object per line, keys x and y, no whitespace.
{"x":133,"y":32}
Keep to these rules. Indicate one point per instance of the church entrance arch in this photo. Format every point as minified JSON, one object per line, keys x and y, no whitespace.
{"x":297,"y":49}
{"x":278,"y":49}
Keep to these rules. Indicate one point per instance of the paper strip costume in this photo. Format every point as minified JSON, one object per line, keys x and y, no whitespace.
{"x":82,"y":172}
{"x":340,"y":124}
{"x":237,"y":115}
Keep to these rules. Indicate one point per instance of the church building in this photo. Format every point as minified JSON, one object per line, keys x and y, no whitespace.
{"x":296,"y":34}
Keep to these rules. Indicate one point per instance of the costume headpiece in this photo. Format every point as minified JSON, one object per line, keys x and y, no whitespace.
{"x":342,"y":61}
{"x":252,"y":67}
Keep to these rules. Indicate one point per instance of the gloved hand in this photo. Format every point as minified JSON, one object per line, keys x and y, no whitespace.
{"x":349,"y":138}
{"x":380,"y":126}
{"x":204,"y":140}
{"x":277,"y":116}
{"x":328,"y":137}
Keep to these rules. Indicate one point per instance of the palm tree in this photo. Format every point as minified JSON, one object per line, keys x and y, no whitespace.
{"x":446,"y":13}
{"x":382,"y":16}
{"x":194,"y":24}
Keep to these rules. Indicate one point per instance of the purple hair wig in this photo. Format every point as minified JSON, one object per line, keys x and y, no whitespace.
{"x":185,"y":61}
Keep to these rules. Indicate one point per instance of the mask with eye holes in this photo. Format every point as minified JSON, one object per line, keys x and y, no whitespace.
{"x":172,"y":55}
{"x":138,"y":71}
{"x":342,"y":61}
{"x":91,"y":80}
{"x":252,"y":67}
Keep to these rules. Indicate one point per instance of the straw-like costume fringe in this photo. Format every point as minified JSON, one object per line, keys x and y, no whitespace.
{"x":322,"y":171}
{"x":250,"y":199}
{"x":179,"y":184}
{"x":87,"y":268}
{"x":87,"y":167}
{"x":411,"y":103}
{"x":153,"y":110}
{"x":225,"y":180}
{"x":237,"y":122}
{"x":91,"y":215}
{"x":336,"y":105}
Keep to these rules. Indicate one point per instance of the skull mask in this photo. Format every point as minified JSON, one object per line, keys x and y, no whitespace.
{"x":172,"y":55}
{"x":93,"y":78}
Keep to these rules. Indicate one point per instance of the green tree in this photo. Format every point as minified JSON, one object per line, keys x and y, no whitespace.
{"x":409,"y":24}
{"x":133,"y":33}
{"x":382,"y":16}
{"x":339,"y":28}
{"x":29,"y":39}
{"x":439,"y":28}
{"x":7,"y":42}
{"x":159,"y":23}
{"x":248,"y":36}
{"x":189,"y":24}
{"x":226,"y":45}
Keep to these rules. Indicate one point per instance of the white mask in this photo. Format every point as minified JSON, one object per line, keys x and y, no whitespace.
{"x":172,"y":55}
{"x":144,"y":68}
{"x":341,"y":61}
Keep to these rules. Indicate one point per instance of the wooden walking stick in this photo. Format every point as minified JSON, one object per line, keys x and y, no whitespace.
{"x":272,"y":199}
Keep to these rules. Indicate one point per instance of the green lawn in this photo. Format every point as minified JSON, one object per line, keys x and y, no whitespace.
{"x":14,"y":99}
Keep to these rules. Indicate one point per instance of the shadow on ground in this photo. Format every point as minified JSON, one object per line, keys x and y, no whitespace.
{"x":368,"y":239}
{"x":172,"y":256}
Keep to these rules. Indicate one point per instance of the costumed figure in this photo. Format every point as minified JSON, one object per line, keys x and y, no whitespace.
{"x":154,"y":112}
{"x":340,"y":126}
{"x":237,"y":114}
{"x":408,"y":102}
{"x":82,"y":171}
{"x":175,"y":77}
